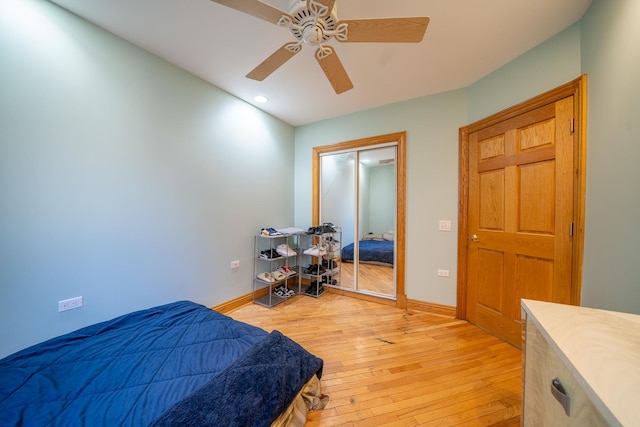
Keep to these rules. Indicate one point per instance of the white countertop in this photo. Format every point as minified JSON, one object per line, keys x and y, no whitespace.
{"x":601,"y":349}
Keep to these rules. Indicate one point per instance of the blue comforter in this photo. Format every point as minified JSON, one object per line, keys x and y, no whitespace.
{"x":131,"y":370}
{"x":379,"y":251}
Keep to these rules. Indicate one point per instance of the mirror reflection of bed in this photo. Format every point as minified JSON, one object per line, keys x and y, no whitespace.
{"x":375,"y":263}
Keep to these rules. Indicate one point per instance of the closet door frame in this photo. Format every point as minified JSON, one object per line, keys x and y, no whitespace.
{"x":398,"y":138}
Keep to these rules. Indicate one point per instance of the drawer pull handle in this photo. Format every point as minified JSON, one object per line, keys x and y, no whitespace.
{"x":557,"y":390}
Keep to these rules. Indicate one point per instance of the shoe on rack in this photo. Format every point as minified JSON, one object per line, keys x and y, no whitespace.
{"x":315,"y":270}
{"x":266,"y":277}
{"x":312,"y":289}
{"x":270,"y":254}
{"x":278,"y":275}
{"x":316,"y":251}
{"x":329,"y":281}
{"x":270,"y":232}
{"x":326,"y":227}
{"x":288,"y":271}
{"x":333,"y":247}
{"x":311,"y":269}
{"x":285,"y":250}
{"x":329,"y":264}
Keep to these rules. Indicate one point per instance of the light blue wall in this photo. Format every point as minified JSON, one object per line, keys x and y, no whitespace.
{"x":122,"y":178}
{"x":546,"y":66}
{"x":432,"y":180}
{"x":611,"y":59}
{"x":382,"y":196}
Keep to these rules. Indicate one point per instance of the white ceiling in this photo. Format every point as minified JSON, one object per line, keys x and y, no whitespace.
{"x":465,"y":41}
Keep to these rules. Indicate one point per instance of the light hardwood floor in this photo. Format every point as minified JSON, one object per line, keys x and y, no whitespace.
{"x":386,"y":366}
{"x":372,"y":277}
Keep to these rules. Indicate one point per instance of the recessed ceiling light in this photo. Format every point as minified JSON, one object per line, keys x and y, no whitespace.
{"x":261,"y":99}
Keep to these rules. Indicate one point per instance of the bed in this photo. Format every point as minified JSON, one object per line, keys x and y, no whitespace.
{"x":177,"y":364}
{"x":372,"y":249}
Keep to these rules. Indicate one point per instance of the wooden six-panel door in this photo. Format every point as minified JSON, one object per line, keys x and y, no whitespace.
{"x":520,"y":213}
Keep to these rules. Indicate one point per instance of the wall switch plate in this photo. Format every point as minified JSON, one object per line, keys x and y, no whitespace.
{"x":70,"y":304}
{"x":443,"y":273}
{"x":444,"y":225}
{"x":235,"y":264}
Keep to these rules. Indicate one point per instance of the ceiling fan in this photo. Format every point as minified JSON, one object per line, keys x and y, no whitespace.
{"x":314,"y":22}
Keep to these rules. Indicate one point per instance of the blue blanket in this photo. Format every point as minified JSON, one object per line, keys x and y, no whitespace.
{"x":379,"y":251}
{"x":124,"y":372}
{"x":240,"y":396}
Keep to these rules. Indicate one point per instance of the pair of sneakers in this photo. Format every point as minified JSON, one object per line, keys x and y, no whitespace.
{"x":315,"y":270}
{"x":268,"y":232}
{"x":285,"y":250}
{"x":269,"y":254}
{"x":284,"y":292}
{"x":316,"y":250}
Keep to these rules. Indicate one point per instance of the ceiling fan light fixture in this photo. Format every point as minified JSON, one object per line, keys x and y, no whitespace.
{"x":312,"y":36}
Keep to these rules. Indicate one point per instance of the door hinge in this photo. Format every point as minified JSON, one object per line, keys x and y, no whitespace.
{"x":572,"y":125}
{"x":571,"y":230}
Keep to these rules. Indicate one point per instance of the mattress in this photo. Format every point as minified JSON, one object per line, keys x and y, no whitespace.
{"x":138,"y":368}
{"x":372,"y":251}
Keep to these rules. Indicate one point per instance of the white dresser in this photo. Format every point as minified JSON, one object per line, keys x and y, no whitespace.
{"x":587,"y":358}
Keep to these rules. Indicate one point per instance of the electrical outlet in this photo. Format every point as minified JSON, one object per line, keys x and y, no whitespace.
{"x":235,"y":264}
{"x":444,"y":225}
{"x":70,"y":304}
{"x":443,"y":273}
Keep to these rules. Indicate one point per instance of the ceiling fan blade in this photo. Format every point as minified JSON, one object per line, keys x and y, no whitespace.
{"x":321,"y":4}
{"x":386,"y":30}
{"x":333,"y":69}
{"x":275,"y":61}
{"x":255,"y":8}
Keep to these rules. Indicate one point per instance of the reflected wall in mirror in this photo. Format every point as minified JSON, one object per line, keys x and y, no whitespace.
{"x":376,"y":221}
{"x":367,"y":201}
{"x":337,"y":200}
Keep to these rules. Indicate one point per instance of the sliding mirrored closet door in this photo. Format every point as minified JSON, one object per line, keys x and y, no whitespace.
{"x":358,"y":193}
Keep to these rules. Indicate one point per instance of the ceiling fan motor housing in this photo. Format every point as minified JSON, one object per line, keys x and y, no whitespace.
{"x":309,"y":28}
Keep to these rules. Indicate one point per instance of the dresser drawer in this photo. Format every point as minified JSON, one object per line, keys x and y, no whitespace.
{"x":541,"y":408}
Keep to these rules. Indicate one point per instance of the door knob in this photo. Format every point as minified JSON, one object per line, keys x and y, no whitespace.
{"x":473,"y":238}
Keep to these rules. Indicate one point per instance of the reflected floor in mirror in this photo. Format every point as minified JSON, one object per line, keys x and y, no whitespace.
{"x":372,"y":278}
